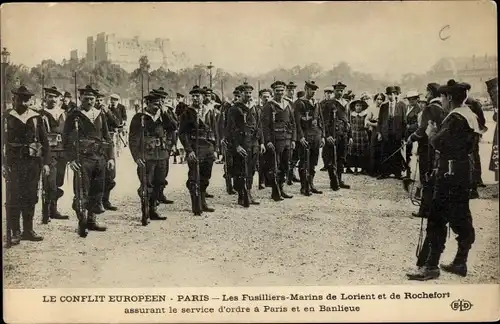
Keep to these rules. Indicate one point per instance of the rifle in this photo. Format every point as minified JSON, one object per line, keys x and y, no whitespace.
{"x":246,"y":197}
{"x":197,"y":208}
{"x":307,"y":188}
{"x":43,"y":184}
{"x":275,"y":169}
{"x":257,"y":106}
{"x":81,"y":213}
{"x":226,"y":169}
{"x":8,"y":192}
{"x":144,"y":176}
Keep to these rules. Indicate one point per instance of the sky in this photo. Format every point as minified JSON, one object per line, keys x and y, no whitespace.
{"x":382,"y":38}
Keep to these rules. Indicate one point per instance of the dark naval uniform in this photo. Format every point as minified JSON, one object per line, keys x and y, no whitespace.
{"x":411,"y":126}
{"x":278,"y":128}
{"x":25,"y":149}
{"x":53,"y":120}
{"x":197,"y":134}
{"x":95,"y":149}
{"x":223,"y":138}
{"x":294,"y":154}
{"x":337,"y":126}
{"x":151,"y":133}
{"x":244,"y":127}
{"x":454,"y":143}
{"x":426,"y":154}
{"x":309,"y":127}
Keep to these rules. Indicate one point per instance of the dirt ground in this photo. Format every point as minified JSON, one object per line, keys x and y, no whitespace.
{"x":365,"y":235}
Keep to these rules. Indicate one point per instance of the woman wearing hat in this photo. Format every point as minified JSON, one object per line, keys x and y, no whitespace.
{"x":371,"y":122}
{"x":25,"y":149}
{"x":412,"y":112}
{"x":359,"y":150}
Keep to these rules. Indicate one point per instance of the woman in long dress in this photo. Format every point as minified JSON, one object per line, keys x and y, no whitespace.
{"x":371,"y":122}
{"x":360,"y":149}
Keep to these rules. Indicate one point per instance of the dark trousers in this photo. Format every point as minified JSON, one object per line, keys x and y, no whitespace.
{"x":22,"y":192}
{"x":156,"y":171}
{"x":109,"y":183}
{"x":263,"y":170}
{"x":394,"y":164}
{"x":294,"y":159}
{"x":313,"y":157}
{"x":55,"y":180}
{"x":335,"y":159}
{"x":279,"y":168}
{"x":375,"y":154}
{"x":239,"y":167}
{"x":476,"y":173}
{"x":205,"y":167}
{"x":450,"y":205}
{"x":92,"y":174}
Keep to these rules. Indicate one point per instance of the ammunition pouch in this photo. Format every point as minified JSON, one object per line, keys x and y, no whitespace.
{"x":54,"y":139}
{"x":90,"y":147}
{"x":33,"y":149}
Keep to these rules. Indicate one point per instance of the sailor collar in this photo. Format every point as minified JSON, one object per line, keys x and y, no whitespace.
{"x":55,"y":112}
{"x":469,"y":116}
{"x":284,"y":103}
{"x":91,"y":114}
{"x":356,"y":114}
{"x":24,"y":117}
{"x":155,"y":116}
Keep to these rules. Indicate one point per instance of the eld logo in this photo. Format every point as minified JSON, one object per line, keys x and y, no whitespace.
{"x":461,"y":305}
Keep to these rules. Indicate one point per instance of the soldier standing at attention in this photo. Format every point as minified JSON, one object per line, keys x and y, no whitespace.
{"x":245,"y":142}
{"x":311,"y":136}
{"x":265,"y":95}
{"x":197,"y":133}
{"x":280,"y":133}
{"x":294,"y":158}
{"x":148,"y":131}
{"x":223,"y":136}
{"x":455,"y":143}
{"x":54,"y":118}
{"x":88,"y":127}
{"x":171,"y":124}
{"x":26,"y":153}
{"x":337,"y":136}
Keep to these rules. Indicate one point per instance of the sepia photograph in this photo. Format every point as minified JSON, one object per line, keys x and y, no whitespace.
{"x":249,"y":144}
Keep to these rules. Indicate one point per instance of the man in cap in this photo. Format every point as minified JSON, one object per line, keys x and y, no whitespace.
{"x":294,"y":158}
{"x":245,"y":143}
{"x":412,"y":112}
{"x":197,"y":134}
{"x":338,"y":135}
{"x":120,"y":113}
{"x":477,"y":109}
{"x":25,"y":149}
{"x":328,"y":95}
{"x":68,"y":105}
{"x":426,"y":155}
{"x":179,"y":108}
{"x":223,"y":137}
{"x":454,"y":141}
{"x":280,"y":133}
{"x":86,"y":135}
{"x":148,"y":143}
{"x":54,"y":118}
{"x":264,"y":96}
{"x":311,"y":137}
{"x":171,"y":124}
{"x":390,"y":132}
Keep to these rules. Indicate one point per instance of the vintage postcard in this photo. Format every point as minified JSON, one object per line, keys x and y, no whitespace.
{"x":250,"y":162}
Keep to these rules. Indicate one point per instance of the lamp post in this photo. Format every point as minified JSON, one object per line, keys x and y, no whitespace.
{"x":5,"y":63}
{"x":210,"y":67}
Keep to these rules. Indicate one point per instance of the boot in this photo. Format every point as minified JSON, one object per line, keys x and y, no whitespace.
{"x":276,"y":193}
{"x":424,"y":253}
{"x":459,"y":264}
{"x":195,"y":204}
{"x":105,"y":201}
{"x":14,"y":215}
{"x":144,"y":214}
{"x":204,"y":205}
{"x":153,"y":213}
{"x":253,"y":201}
{"x":207,"y":195}
{"x":28,"y":233}
{"x":314,"y":190}
{"x":342,"y":184}
{"x":163,"y":199}
{"x":46,"y":211}
{"x":229,"y":186}
{"x":424,"y":273}
{"x":54,"y":213}
{"x":473,"y":194}
{"x":283,"y":193}
{"x":93,"y":225}
{"x":334,"y":180}
{"x":304,"y":188}
{"x":98,"y":208}
{"x":289,"y":180}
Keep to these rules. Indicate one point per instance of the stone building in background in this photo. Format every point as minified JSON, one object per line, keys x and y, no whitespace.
{"x":127,"y":51}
